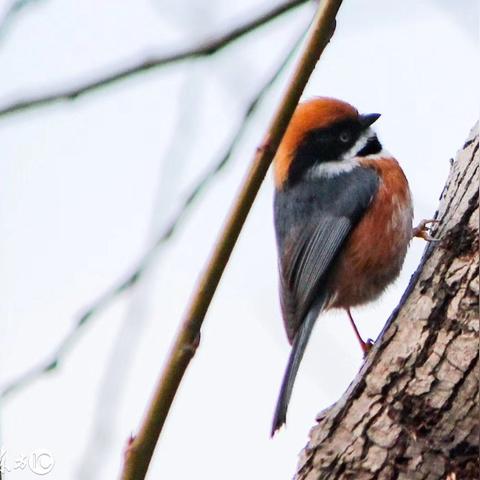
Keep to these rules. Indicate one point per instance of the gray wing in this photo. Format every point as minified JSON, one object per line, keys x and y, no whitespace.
{"x":305,"y":263}
{"x":312,"y":221}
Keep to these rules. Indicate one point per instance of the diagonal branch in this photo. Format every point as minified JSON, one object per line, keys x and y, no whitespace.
{"x":141,"y":448}
{"x":54,"y":360}
{"x":206,"y":48}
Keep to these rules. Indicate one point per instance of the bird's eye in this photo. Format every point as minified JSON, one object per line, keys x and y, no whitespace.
{"x":345,"y":137}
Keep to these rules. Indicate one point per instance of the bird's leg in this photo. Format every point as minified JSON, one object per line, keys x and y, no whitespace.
{"x":365,"y":346}
{"x":423,"y":230}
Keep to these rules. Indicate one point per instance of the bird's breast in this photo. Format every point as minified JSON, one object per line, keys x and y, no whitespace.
{"x":374,"y":253}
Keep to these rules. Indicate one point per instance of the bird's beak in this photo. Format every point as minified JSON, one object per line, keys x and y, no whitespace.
{"x":367,"y":119}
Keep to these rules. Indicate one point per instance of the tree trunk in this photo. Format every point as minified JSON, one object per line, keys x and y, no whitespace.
{"x":412,"y":411}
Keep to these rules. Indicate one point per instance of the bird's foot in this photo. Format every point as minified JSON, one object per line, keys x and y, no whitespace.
{"x":422,"y":230}
{"x":366,"y":346}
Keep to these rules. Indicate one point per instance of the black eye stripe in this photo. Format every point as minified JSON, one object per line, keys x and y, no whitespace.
{"x":322,"y":145}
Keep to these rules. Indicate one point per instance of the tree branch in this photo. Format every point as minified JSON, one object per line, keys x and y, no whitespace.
{"x":11,"y":12}
{"x":140,"y":449}
{"x":206,"y":48}
{"x":412,"y":411}
{"x":55,"y":359}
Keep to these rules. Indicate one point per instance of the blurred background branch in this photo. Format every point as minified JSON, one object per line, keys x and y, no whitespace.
{"x":12,"y":11}
{"x":201,"y":49}
{"x":54,"y":360}
{"x":113,"y":384}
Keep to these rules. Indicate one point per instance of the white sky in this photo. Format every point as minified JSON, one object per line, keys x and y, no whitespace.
{"x":79,"y":182}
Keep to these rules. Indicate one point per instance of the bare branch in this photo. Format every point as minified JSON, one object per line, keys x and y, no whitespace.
{"x":112,"y":386}
{"x":140,"y":449}
{"x":206,"y":48}
{"x":11,"y":12}
{"x":54,"y":360}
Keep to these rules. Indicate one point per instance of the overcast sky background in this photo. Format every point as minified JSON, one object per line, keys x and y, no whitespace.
{"x":85,"y":185}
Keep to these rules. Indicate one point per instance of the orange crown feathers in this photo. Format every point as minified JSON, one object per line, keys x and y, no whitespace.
{"x":313,"y":114}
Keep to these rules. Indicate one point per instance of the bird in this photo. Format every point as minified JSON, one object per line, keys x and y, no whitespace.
{"x":343,"y":219}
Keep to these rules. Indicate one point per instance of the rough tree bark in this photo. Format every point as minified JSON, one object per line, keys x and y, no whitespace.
{"x":412,"y":411}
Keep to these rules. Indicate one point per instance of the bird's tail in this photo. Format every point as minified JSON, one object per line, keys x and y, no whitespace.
{"x":296,"y":355}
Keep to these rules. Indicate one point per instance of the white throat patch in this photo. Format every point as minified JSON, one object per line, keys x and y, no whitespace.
{"x":331,"y":169}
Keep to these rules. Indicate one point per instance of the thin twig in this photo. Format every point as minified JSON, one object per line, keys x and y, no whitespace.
{"x":206,"y":48}
{"x":11,"y":12}
{"x":140,"y":449}
{"x":55,"y":359}
{"x":113,"y":385}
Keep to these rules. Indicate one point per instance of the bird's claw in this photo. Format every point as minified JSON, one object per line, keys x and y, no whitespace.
{"x":422,"y":230}
{"x":367,"y":346}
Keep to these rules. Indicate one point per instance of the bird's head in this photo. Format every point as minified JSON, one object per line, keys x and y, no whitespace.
{"x":325,"y":137}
